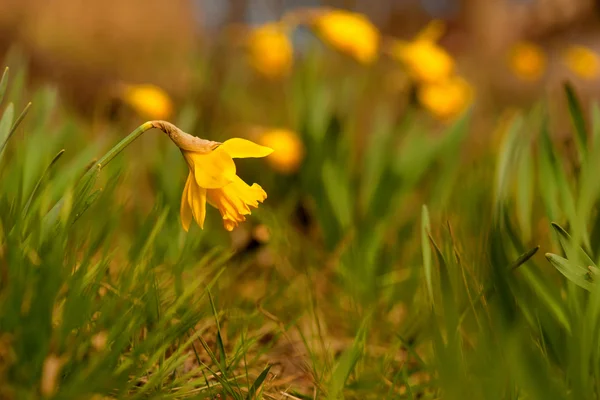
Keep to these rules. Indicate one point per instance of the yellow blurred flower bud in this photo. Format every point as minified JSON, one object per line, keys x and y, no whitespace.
{"x":425,"y":60}
{"x":270,"y":50}
{"x":582,"y":61}
{"x":446,"y":99}
{"x":288,"y":150}
{"x":148,"y":100}
{"x":527,"y":61}
{"x":349,"y":33}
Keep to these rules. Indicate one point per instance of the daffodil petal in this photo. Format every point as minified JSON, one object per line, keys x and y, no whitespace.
{"x":185,"y":210}
{"x":242,"y":148}
{"x":250,"y":195}
{"x":212,"y":170}
{"x":197,"y":202}
{"x":229,"y":225}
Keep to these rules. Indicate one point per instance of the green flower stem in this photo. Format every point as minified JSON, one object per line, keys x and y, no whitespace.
{"x":112,"y":153}
{"x":85,"y":184}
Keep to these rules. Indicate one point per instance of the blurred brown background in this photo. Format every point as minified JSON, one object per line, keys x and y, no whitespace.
{"x":86,"y":45}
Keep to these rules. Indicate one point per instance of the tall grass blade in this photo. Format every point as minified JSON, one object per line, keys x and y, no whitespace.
{"x":426,"y":250}
{"x":577,"y":117}
{"x":252,"y":392}
{"x":3,"y":84}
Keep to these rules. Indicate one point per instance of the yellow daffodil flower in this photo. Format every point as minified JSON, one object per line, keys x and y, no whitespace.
{"x":270,"y":50}
{"x":288,"y":150}
{"x":425,"y":60}
{"x":212,"y":177}
{"x":148,"y":100}
{"x":527,"y":61}
{"x":582,"y":61}
{"x":349,"y":33}
{"x":446,"y":99}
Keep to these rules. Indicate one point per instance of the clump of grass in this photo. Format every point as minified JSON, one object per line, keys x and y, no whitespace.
{"x":80,"y":316}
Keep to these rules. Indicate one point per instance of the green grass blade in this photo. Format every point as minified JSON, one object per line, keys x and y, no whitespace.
{"x":574,"y":252}
{"x":344,"y":368}
{"x":338,"y":194}
{"x":426,"y":250}
{"x":596,"y":124}
{"x":41,"y":180}
{"x":220,"y":347}
{"x":505,"y":162}
{"x":577,"y":117}
{"x":18,"y":121}
{"x":523,"y":258}
{"x":5,"y":124}
{"x":257,"y":384}
{"x":575,"y":273}
{"x":525,"y":194}
{"x":3,"y":84}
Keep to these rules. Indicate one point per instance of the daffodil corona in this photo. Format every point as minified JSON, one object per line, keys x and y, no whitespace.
{"x":212,"y":177}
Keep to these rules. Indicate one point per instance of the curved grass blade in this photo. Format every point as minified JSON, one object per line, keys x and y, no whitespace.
{"x":39,"y":182}
{"x":573,"y":252}
{"x":580,"y":276}
{"x":578,"y":120}
{"x":5,"y":124}
{"x":257,"y":384}
{"x":14,"y":127}
{"x":86,"y":182}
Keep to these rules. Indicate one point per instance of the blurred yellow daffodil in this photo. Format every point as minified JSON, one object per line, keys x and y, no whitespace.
{"x":147,"y":100}
{"x":288,"y":150}
{"x":212,"y":177}
{"x":349,"y":33}
{"x":582,"y":61}
{"x":527,"y":61}
{"x":446,"y":99}
{"x":270,"y":50}
{"x":425,"y":60}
